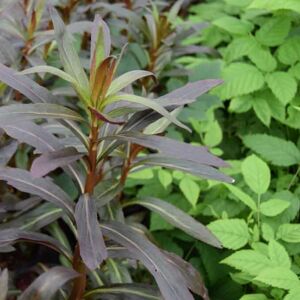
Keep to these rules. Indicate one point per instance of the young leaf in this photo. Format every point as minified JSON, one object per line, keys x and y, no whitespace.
{"x":190,"y":190}
{"x":50,"y":161}
{"x":47,"y":284}
{"x":289,"y":233}
{"x":150,"y":104}
{"x":103,"y":117}
{"x":273,"y":207}
{"x":245,"y":198}
{"x":170,"y":281}
{"x":256,"y":174}
{"x":68,"y":55}
{"x":232,"y":233}
{"x":276,"y":150}
{"x":51,"y":70}
{"x":92,"y":247}
{"x":179,"y":219}
{"x":43,"y":187}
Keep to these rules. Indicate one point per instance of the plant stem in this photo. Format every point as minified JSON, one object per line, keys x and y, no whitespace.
{"x":78,"y":265}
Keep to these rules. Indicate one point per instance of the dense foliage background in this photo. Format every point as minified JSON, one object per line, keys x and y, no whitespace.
{"x":251,"y":121}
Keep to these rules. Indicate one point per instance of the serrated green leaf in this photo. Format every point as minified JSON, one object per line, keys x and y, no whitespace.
{"x":293,"y":294}
{"x":240,"y":104}
{"x":279,"y":277}
{"x":232,"y":233}
{"x":233,"y":25}
{"x":267,"y":232}
{"x":295,"y":71}
{"x":274,"y":31}
{"x":262,"y":110}
{"x":239,"y":3}
{"x":276,"y":150}
{"x":256,"y":174}
{"x":245,"y":198}
{"x":240,"y":79}
{"x":283,"y":86}
{"x":254,"y":297}
{"x":249,"y":261}
{"x":289,"y":51}
{"x":239,"y":47}
{"x":278,"y":255}
{"x":190,"y":189}
{"x":289,"y":233}
{"x":273,"y":207}
{"x":263,"y":59}
{"x":276,"y":5}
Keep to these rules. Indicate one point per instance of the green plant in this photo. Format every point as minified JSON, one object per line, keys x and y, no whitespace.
{"x":109,"y":134}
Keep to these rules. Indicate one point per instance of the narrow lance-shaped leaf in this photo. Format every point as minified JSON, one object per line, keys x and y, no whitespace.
{"x":92,"y":247}
{"x":43,"y":187}
{"x":188,"y":93}
{"x":191,"y":167}
{"x":25,"y":86}
{"x":51,"y":70}
{"x":10,"y":113}
{"x":168,"y":278}
{"x":126,"y":79}
{"x":13,"y":235}
{"x":50,"y":161}
{"x":100,"y":45}
{"x":7,"y":151}
{"x":173,"y":148}
{"x":179,"y":219}
{"x":153,"y":104}
{"x":47,"y":284}
{"x":130,"y":291}
{"x":3,"y":284}
{"x":105,"y":118}
{"x":68,"y":55}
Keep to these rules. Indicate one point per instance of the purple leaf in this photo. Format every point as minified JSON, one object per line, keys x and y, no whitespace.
{"x":92,"y":247}
{"x":179,"y":219}
{"x":188,"y":93}
{"x":50,"y":161}
{"x":103,"y":117}
{"x":7,"y":152}
{"x":43,"y":187}
{"x":173,"y":148}
{"x":168,"y":278}
{"x":13,"y":235}
{"x":47,"y":284}
{"x":25,"y":86}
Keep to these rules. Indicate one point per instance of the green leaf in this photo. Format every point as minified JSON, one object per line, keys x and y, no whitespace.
{"x":273,"y":149}
{"x":289,"y":51}
{"x":232,"y":233}
{"x":239,"y":47}
{"x":262,"y":110}
{"x":278,"y":255}
{"x":263,"y":59}
{"x":293,"y":294}
{"x":249,"y":261}
{"x":51,"y":70}
{"x":254,"y":297}
{"x":165,"y":178}
{"x":289,"y":233}
{"x":274,"y":31}
{"x":240,"y":104}
{"x":233,"y":25}
{"x":256,"y":174}
{"x":240,"y":79}
{"x":276,"y":5}
{"x":150,"y":104}
{"x":190,"y":189}
{"x":279,"y":277}
{"x":283,"y":86}
{"x":267,"y":232}
{"x":295,"y":71}
{"x":245,"y":198}
{"x":214,"y":135}
{"x":239,"y":3}
{"x":273,"y":207}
